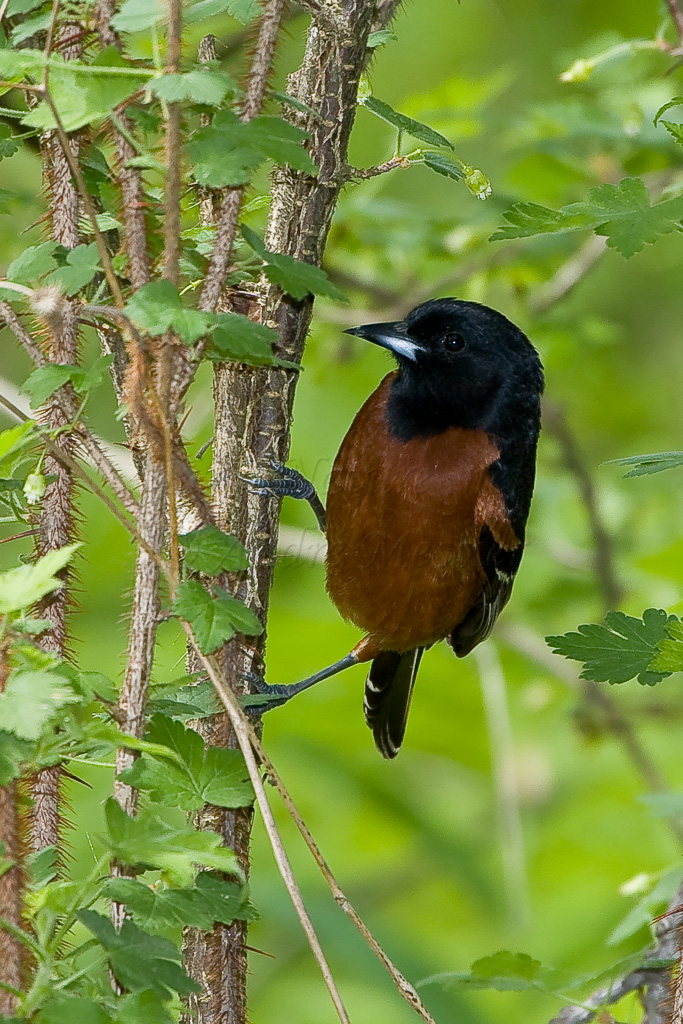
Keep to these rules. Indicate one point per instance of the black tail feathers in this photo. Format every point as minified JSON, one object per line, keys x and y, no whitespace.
{"x":388,"y":690}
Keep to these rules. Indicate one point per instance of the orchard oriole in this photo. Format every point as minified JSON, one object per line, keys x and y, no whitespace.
{"x":428,"y":498}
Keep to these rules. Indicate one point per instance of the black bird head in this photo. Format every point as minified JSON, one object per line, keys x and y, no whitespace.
{"x":460,"y":364}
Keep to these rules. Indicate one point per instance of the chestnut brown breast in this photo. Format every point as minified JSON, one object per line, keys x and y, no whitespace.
{"x":403,"y":525}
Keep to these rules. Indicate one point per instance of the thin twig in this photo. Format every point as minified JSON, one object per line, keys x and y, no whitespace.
{"x":244,"y":735}
{"x":363,"y":173}
{"x":18,"y":536}
{"x":677,"y":17}
{"x":569,"y":275}
{"x":172,"y":150}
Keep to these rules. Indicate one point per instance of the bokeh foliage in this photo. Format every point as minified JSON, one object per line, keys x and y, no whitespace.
{"x":420,"y":843}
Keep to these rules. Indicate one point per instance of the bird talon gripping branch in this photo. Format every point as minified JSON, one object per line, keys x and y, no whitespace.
{"x":428,"y":498}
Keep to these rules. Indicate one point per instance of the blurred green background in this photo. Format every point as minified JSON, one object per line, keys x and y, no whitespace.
{"x":473,"y":840}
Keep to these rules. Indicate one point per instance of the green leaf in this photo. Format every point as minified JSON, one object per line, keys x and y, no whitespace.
{"x":620,"y":212}
{"x":239,"y":338}
{"x":139,"y":961}
{"x":23,"y":586}
{"x":204,"y":86}
{"x":196,"y":700}
{"x":440,"y":163}
{"x":296,"y":278}
{"x":643,"y":465}
{"x":83,"y":95}
{"x":405,"y":124}
{"x":622,"y":649}
{"x":379,"y":38}
{"x":9,"y":143}
{"x":69,"y":1009}
{"x":42,"y":866}
{"x":32,"y":699}
{"x":209,"y":550}
{"x":13,"y":753}
{"x":82,"y":263}
{"x":210,"y":900}
{"x":148,"y":839}
{"x":33,"y":263}
{"x":141,"y":1006}
{"x":14,"y":439}
{"x":675,"y":131}
{"x":503,"y":972}
{"x":228,"y":151}
{"x":40,"y":384}
{"x":214,"y":775}
{"x":669,"y":656}
{"x":156,"y":308}
{"x":213,"y":619}
{"x":244,"y":10}
{"x":677,"y":101}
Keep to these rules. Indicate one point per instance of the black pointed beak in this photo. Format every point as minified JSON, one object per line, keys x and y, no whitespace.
{"x":392,"y":335}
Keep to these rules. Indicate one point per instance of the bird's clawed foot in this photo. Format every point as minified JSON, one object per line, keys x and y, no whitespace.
{"x":265,"y":698}
{"x":285,"y":482}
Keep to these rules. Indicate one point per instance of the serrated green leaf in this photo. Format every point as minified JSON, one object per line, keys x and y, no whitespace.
{"x":139,"y":961}
{"x":669,"y":656}
{"x":66,"y":1010}
{"x":15,"y":7}
{"x":29,"y":27}
{"x":156,"y":308}
{"x":404,"y":123}
{"x":228,"y":151}
{"x":82,"y":263}
{"x":677,"y":101}
{"x":622,"y":649}
{"x":32,"y":699}
{"x":23,"y":586}
{"x":196,"y":776}
{"x":643,"y":465}
{"x":82,"y":95}
{"x":33,"y":263}
{"x":196,"y":700}
{"x":209,"y":550}
{"x":204,"y":86}
{"x":675,"y":131}
{"x":40,"y":384}
{"x":138,"y":15}
{"x":148,"y":839}
{"x":503,"y":972}
{"x":440,"y":163}
{"x":620,"y":212}
{"x":210,"y":900}
{"x":214,"y":619}
{"x":296,"y":278}
{"x":238,"y":338}
{"x":9,"y":143}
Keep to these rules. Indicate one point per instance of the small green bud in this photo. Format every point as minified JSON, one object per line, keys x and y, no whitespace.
{"x":34,"y":487}
{"x":580,"y":71}
{"x":477,"y":182}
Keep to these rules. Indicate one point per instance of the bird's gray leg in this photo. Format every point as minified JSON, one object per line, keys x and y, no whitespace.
{"x":267,"y":697}
{"x":288,"y":483}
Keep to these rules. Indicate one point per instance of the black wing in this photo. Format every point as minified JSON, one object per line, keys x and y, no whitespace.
{"x":501,"y":568}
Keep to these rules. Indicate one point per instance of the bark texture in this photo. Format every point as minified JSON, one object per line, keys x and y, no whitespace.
{"x":56,"y":516}
{"x":10,"y":882}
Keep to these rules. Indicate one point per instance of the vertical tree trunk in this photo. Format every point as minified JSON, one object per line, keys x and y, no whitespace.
{"x":56,"y":520}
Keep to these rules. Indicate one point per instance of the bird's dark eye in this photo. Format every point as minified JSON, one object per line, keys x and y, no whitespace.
{"x":453,"y":341}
